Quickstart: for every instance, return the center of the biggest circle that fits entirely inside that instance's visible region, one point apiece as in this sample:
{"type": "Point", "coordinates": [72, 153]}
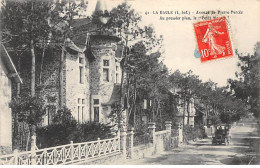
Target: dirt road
{"type": "Point", "coordinates": [244, 149]}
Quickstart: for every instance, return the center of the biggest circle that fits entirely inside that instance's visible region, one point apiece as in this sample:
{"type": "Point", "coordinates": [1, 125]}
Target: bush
{"type": "Point", "coordinates": [91, 131]}
{"type": "Point", "coordinates": [191, 133]}
{"type": "Point", "coordinates": [56, 134]}
{"type": "Point", "coordinates": [61, 134]}
{"type": "Point", "coordinates": [66, 129]}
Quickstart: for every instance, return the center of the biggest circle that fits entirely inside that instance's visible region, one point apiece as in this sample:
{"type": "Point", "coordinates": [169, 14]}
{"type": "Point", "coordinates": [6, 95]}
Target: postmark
{"type": "Point", "coordinates": [213, 39]}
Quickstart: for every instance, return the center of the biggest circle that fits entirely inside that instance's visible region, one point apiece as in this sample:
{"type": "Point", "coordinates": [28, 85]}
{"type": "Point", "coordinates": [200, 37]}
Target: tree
{"type": "Point", "coordinates": [213, 102]}
{"type": "Point", "coordinates": [148, 79]}
{"type": "Point", "coordinates": [26, 23]}
{"type": "Point", "coordinates": [124, 22]}
{"type": "Point", "coordinates": [32, 24]}
{"type": "Point", "coordinates": [29, 110]}
{"type": "Point", "coordinates": [64, 13]}
{"type": "Point", "coordinates": [246, 86]}
{"type": "Point", "coordinates": [189, 85]}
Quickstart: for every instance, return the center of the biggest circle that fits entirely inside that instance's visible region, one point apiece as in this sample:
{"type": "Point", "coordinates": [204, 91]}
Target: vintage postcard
{"type": "Point", "coordinates": [129, 82]}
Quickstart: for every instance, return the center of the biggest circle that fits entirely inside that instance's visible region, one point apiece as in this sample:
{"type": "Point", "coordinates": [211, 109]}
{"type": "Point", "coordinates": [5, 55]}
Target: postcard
{"type": "Point", "coordinates": [130, 82]}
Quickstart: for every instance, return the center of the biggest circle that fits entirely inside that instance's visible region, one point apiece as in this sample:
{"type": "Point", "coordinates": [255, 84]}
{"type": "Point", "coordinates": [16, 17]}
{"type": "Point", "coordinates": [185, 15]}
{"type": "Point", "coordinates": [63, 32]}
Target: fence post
{"type": "Point", "coordinates": [123, 141]}
{"type": "Point", "coordinates": [99, 146]}
{"type": "Point", "coordinates": [33, 152]}
{"type": "Point", "coordinates": [151, 129]}
{"type": "Point", "coordinates": [168, 125]}
{"type": "Point", "coordinates": [131, 142]}
{"type": "Point", "coordinates": [180, 134]}
{"type": "Point", "coordinates": [16, 157]}
{"type": "Point", "coordinates": [71, 150]}
{"type": "Point", "coordinates": [205, 130]}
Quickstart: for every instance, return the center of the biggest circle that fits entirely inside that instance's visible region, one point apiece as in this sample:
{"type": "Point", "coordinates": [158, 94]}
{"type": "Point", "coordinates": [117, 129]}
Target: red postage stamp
{"type": "Point", "coordinates": [213, 39]}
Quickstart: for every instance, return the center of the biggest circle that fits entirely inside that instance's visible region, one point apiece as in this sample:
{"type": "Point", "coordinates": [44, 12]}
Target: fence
{"type": "Point", "coordinates": [142, 139]}
{"type": "Point", "coordinates": [122, 144]}
{"type": "Point", "coordinates": [162, 139]}
{"type": "Point", "coordinates": [64, 154]}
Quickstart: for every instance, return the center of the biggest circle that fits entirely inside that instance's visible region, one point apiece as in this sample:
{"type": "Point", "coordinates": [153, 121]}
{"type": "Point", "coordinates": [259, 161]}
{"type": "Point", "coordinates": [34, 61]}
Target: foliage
{"type": "Point", "coordinates": [192, 133]}
{"type": "Point", "coordinates": [124, 22]}
{"type": "Point", "coordinates": [92, 130]}
{"type": "Point", "coordinates": [211, 102]}
{"type": "Point", "coordinates": [23, 21]}
{"type": "Point", "coordinates": [66, 129]}
{"type": "Point", "coordinates": [56, 134]}
{"type": "Point", "coordinates": [246, 87]}
{"type": "Point", "coordinates": [63, 116]}
{"type": "Point", "coordinates": [64, 13]}
{"type": "Point", "coordinates": [188, 85]}
{"type": "Point", "coordinates": [28, 109]}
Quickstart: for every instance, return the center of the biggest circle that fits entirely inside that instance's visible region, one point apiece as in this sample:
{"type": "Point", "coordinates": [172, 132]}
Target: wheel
{"type": "Point", "coordinates": [229, 140]}
{"type": "Point", "coordinates": [226, 141]}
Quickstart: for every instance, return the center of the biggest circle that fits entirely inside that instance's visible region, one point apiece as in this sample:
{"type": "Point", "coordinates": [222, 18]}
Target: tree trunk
{"type": "Point", "coordinates": [43, 53]}
{"type": "Point", "coordinates": [61, 75]}
{"type": "Point", "coordinates": [184, 110]}
{"type": "Point", "coordinates": [188, 111]}
{"type": "Point", "coordinates": [19, 71]}
{"type": "Point", "coordinates": [32, 69]}
{"type": "Point", "coordinates": [121, 84]}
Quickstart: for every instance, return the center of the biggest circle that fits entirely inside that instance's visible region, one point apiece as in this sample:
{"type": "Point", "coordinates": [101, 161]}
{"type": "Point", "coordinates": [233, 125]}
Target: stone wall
{"type": "Point", "coordinates": [5, 112]}
{"type": "Point", "coordinates": [106, 160]}
{"type": "Point", "coordinates": [77, 94]}
{"type": "Point", "coordinates": [103, 50]}
{"type": "Point", "coordinates": [143, 151]}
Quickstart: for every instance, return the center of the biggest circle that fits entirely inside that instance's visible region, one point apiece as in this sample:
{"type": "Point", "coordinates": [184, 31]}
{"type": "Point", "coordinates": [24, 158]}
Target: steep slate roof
{"type": "Point", "coordinates": [13, 74]}
{"type": "Point", "coordinates": [83, 27]}
{"type": "Point", "coordinates": [101, 5]}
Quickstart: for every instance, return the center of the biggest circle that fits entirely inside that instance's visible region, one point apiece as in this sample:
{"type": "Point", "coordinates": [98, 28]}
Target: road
{"type": "Point", "coordinates": [243, 150]}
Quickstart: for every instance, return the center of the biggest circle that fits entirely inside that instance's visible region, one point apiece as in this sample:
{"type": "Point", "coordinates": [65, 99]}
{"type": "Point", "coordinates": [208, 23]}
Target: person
{"type": "Point", "coordinates": [209, 37]}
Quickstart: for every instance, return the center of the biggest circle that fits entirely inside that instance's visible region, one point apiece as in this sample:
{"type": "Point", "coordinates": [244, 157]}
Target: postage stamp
{"type": "Point", "coordinates": [213, 39]}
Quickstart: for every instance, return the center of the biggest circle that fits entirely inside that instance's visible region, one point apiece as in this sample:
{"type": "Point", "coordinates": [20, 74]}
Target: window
{"type": "Point", "coordinates": [81, 70]}
{"type": "Point", "coordinates": [117, 78]}
{"type": "Point", "coordinates": [105, 62]}
{"type": "Point", "coordinates": [78, 113]}
{"type": "Point", "coordinates": [81, 61]}
{"type": "Point", "coordinates": [96, 114]}
{"type": "Point", "coordinates": [51, 109]}
{"type": "Point", "coordinates": [105, 74]}
{"type": "Point", "coordinates": [80, 74]}
{"type": "Point", "coordinates": [96, 110]}
{"type": "Point", "coordinates": [81, 110]}
{"type": "Point", "coordinates": [82, 113]}
{"type": "Point", "coordinates": [96, 101]}
{"type": "Point", "coordinates": [106, 70]}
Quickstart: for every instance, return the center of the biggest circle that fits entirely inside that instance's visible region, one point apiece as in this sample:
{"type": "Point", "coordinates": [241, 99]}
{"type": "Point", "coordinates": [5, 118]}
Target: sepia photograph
{"type": "Point", "coordinates": [129, 82]}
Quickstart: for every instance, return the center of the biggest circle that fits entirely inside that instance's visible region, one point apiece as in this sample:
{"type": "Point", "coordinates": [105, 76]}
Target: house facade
{"type": "Point", "coordinates": [91, 74]}
{"type": "Point", "coordinates": [92, 78]}
{"type": "Point", "coordinates": [186, 111]}
{"type": "Point", "coordinates": [8, 77]}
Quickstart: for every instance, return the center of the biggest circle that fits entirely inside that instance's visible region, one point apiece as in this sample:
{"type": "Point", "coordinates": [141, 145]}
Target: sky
{"type": "Point", "coordinates": [179, 36]}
